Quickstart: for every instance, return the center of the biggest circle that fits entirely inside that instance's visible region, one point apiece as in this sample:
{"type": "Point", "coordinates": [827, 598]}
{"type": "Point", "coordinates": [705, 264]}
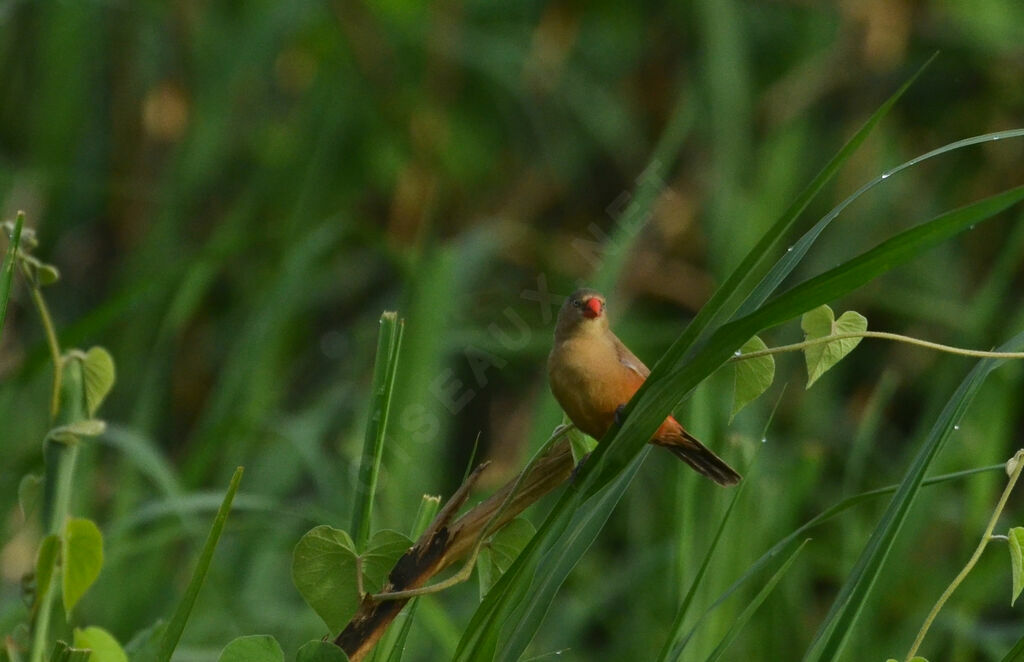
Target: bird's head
{"type": "Point", "coordinates": [582, 311]}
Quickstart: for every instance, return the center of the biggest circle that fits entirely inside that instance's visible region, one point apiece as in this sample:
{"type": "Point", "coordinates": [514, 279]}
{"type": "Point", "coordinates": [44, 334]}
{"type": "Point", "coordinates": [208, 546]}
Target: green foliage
{"type": "Point", "coordinates": [229, 227]}
{"type": "Point", "coordinates": [498, 553]}
{"type": "Point", "coordinates": [324, 570]}
{"type": "Point", "coordinates": [7, 265]}
{"type": "Point", "coordinates": [752, 376]}
{"type": "Point", "coordinates": [103, 645]}
{"type": "Point", "coordinates": [674, 643]}
{"type": "Point", "coordinates": [98, 369]}
{"type": "Point", "coordinates": [749, 610]}
{"type": "Point", "coordinates": [389, 342]}
{"type": "Point", "coordinates": [69, 434]}
{"type": "Point", "coordinates": [171, 634]}
{"type": "Point", "coordinates": [46, 565]}
{"type": "Point", "coordinates": [835, 630]}
{"type": "Point", "coordinates": [582, 444]}
{"type": "Point", "coordinates": [320, 651]}
{"type": "Point", "coordinates": [252, 648]}
{"type": "Point", "coordinates": [1016, 545]}
{"type": "Point", "coordinates": [518, 602]}
{"type": "Point", "coordinates": [81, 560]}
{"type": "Point", "coordinates": [821, 323]}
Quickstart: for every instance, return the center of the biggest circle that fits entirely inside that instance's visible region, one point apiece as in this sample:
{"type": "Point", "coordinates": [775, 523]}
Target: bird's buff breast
{"type": "Point", "coordinates": [589, 382]}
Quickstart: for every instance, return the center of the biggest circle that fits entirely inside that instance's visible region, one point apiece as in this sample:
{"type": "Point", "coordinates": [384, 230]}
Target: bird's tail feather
{"type": "Point", "coordinates": [686, 447]}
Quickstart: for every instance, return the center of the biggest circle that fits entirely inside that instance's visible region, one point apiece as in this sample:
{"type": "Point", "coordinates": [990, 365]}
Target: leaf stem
{"type": "Point", "coordinates": [60, 458]}
{"type": "Point", "coordinates": [985, 538]}
{"type": "Point", "coordinates": [51, 341]}
{"type": "Point", "coordinates": [884, 335]}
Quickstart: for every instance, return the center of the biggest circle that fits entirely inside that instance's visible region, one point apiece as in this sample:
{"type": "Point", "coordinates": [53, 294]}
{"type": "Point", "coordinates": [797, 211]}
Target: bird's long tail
{"type": "Point", "coordinates": [686, 447]}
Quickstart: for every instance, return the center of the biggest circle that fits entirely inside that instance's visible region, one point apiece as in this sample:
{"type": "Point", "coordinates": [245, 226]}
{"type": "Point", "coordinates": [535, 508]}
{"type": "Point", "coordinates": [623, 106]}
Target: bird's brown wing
{"type": "Point", "coordinates": [629, 359]}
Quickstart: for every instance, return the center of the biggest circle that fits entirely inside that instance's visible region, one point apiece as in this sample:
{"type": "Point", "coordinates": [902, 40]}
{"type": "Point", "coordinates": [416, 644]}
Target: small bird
{"type": "Point", "coordinates": [593, 375]}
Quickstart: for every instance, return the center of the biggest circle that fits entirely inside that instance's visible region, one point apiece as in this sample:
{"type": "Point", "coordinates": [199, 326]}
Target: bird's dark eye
{"type": "Point", "coordinates": [577, 303]}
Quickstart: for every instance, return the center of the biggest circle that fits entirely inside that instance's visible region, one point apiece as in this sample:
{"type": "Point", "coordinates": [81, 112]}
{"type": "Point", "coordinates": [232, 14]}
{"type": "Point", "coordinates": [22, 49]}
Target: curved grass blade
{"type": "Point", "coordinates": [514, 600]}
{"type": "Point", "coordinates": [389, 341]}
{"type": "Point", "coordinates": [684, 606]}
{"type": "Point", "coordinates": [749, 610]}
{"type": "Point", "coordinates": [171, 635]}
{"type": "Point", "coordinates": [792, 257]}
{"type": "Point", "coordinates": [729, 297]}
{"type": "Point", "coordinates": [7, 268]}
{"type": "Point", "coordinates": [835, 630]}
{"type": "Point", "coordinates": [820, 518]}
{"type": "Point", "coordinates": [1016, 653]}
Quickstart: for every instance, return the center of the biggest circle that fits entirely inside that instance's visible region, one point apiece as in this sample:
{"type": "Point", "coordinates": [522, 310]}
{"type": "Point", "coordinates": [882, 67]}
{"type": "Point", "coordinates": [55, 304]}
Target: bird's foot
{"type": "Point", "coordinates": [576, 469]}
{"type": "Point", "coordinates": [619, 416]}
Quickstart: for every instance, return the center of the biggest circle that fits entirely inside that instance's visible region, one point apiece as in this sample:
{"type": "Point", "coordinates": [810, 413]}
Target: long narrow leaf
{"type": "Point", "coordinates": [835, 630]}
{"type": "Point", "coordinates": [677, 625]}
{"type": "Point", "coordinates": [793, 255]}
{"type": "Point", "coordinates": [7, 268]}
{"type": "Point", "coordinates": [728, 298]}
{"type": "Point", "coordinates": [505, 606]}
{"type": "Point", "coordinates": [826, 515]}
{"type": "Point", "coordinates": [385, 366]}
{"type": "Point", "coordinates": [749, 610]}
{"type": "Point", "coordinates": [1016, 653]}
{"type": "Point", "coordinates": [170, 637]}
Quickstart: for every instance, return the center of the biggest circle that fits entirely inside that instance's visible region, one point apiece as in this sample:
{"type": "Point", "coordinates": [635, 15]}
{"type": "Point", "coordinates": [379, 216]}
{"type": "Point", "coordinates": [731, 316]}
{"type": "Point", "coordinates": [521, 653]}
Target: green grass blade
{"type": "Point", "coordinates": [385, 366]}
{"type": "Point", "coordinates": [1016, 653]}
{"type": "Point", "coordinates": [684, 607]}
{"type": "Point", "coordinates": [835, 630]}
{"type": "Point", "coordinates": [170, 637]}
{"type": "Point", "coordinates": [792, 257]}
{"type": "Point", "coordinates": [7, 268]}
{"type": "Point", "coordinates": [826, 515]}
{"type": "Point", "coordinates": [728, 298]}
{"type": "Point", "coordinates": [749, 610]}
{"type": "Point", "coordinates": [515, 599]}
{"type": "Point", "coordinates": [397, 647]}
{"type": "Point", "coordinates": [560, 559]}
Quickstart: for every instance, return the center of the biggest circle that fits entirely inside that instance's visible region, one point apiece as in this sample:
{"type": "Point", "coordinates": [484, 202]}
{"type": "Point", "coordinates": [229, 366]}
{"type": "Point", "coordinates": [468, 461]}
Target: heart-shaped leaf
{"type": "Point", "coordinates": [821, 323]}
{"type": "Point", "coordinates": [324, 571]}
{"type": "Point", "coordinates": [752, 376]}
{"type": "Point", "coordinates": [382, 552]}
{"type": "Point", "coordinates": [103, 645]}
{"type": "Point", "coordinates": [1016, 537]}
{"type": "Point", "coordinates": [320, 651]}
{"type": "Point", "coordinates": [82, 559]}
{"type": "Point", "coordinates": [501, 550]}
{"type": "Point", "coordinates": [100, 375]}
{"type": "Point", "coordinates": [252, 648]}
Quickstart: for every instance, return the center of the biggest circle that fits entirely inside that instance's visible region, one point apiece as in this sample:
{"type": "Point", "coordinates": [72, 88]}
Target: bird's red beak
{"type": "Point", "coordinates": [592, 308]}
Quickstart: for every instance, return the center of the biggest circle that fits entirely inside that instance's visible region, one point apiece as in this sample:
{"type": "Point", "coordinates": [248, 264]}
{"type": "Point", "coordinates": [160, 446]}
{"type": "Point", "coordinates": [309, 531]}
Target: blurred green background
{"type": "Point", "coordinates": [234, 192]}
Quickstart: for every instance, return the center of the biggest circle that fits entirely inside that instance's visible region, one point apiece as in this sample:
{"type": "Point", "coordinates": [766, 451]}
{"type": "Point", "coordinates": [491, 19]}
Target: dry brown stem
{"type": "Point", "coordinates": [445, 542]}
